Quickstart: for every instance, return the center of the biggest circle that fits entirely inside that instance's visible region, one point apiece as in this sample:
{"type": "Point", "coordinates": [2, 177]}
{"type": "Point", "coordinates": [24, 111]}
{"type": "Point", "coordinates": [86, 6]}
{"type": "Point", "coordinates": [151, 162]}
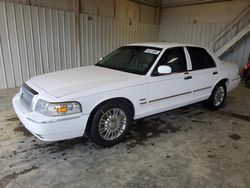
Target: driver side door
{"type": "Point", "coordinates": [172, 90]}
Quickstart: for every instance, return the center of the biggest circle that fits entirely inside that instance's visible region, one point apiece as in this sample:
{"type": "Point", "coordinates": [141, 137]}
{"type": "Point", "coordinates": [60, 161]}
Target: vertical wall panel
{"type": "Point", "coordinates": [72, 37]}
{"type": "Point", "coordinates": [3, 83]}
{"type": "Point", "coordinates": [36, 38]}
{"type": "Point", "coordinates": [55, 38]}
{"type": "Point", "coordinates": [101, 35]}
{"type": "Point", "coordinates": [22, 47]}
{"type": "Point", "coordinates": [6, 49]}
{"type": "Point", "coordinates": [34, 41]}
{"type": "Point", "coordinates": [14, 52]}
{"type": "Point", "coordinates": [203, 34]}
{"type": "Point", "coordinates": [199, 33]}
{"type": "Point", "coordinates": [61, 27]}
{"type": "Point", "coordinates": [43, 40]}
{"type": "Point", "coordinates": [50, 43]}
{"type": "Point", "coordinates": [28, 38]}
{"type": "Point", "coordinates": [240, 53]}
{"type": "Point", "coordinates": [67, 28]}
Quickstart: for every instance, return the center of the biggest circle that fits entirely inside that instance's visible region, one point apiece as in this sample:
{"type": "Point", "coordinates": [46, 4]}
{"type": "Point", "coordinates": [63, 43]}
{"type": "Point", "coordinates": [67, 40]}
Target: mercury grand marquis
{"type": "Point", "coordinates": [132, 82]}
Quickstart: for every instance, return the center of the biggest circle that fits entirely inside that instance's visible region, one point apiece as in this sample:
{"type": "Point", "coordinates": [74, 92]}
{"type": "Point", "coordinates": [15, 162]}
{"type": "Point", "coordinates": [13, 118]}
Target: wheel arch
{"type": "Point", "coordinates": [223, 81]}
{"type": "Point", "coordinates": [209, 103]}
{"type": "Point", "coordinates": [123, 100]}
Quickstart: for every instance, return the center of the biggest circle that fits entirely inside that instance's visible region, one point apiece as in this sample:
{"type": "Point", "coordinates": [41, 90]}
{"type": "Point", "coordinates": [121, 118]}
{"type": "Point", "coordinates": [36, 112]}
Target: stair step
{"type": "Point", "coordinates": [234, 40]}
{"type": "Point", "coordinates": [235, 22]}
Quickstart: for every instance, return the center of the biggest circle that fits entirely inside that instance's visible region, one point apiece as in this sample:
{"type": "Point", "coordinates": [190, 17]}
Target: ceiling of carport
{"type": "Point", "coordinates": [178, 3]}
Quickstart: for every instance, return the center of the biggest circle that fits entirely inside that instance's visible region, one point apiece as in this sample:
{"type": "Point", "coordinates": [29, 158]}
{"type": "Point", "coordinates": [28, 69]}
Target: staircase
{"type": "Point", "coordinates": [233, 33]}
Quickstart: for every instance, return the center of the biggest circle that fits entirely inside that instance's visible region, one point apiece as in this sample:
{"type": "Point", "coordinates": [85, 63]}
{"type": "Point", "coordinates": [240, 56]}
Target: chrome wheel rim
{"type": "Point", "coordinates": [219, 96]}
{"type": "Point", "coordinates": [112, 124]}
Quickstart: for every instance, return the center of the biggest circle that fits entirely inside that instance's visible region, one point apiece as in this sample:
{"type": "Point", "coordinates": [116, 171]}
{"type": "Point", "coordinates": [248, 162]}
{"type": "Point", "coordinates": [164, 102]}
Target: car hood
{"type": "Point", "coordinates": [87, 79]}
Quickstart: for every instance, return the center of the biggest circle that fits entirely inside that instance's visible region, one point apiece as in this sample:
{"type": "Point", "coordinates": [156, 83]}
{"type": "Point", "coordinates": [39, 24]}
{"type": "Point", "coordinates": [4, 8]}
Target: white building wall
{"type": "Point", "coordinates": [240, 54]}
{"type": "Point", "coordinates": [200, 24]}
{"type": "Point", "coordinates": [36, 40]}
{"type": "Point", "coordinates": [101, 35]}
{"type": "Point", "coordinates": [203, 13]}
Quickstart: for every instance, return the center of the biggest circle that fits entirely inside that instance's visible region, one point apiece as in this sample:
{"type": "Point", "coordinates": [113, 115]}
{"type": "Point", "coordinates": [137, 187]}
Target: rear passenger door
{"type": "Point", "coordinates": [203, 72]}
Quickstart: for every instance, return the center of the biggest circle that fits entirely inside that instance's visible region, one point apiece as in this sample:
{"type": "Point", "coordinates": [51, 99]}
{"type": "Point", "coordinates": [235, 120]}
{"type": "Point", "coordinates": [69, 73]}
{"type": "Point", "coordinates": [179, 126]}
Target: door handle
{"type": "Point", "coordinates": [214, 73]}
{"type": "Point", "coordinates": [188, 77]}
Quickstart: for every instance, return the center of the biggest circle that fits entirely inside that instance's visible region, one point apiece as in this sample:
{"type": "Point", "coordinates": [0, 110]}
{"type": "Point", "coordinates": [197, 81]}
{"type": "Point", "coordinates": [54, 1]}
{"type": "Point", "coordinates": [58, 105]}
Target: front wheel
{"type": "Point", "coordinates": [110, 124]}
{"type": "Point", "coordinates": [217, 97]}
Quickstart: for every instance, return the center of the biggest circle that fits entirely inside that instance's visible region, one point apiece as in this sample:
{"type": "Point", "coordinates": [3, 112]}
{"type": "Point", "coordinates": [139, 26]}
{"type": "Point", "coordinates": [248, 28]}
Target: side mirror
{"type": "Point", "coordinates": [164, 69]}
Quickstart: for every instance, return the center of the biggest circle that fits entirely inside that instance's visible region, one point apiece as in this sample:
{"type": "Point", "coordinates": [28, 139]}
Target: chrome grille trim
{"type": "Point", "coordinates": [26, 95]}
{"type": "Point", "coordinates": [29, 89]}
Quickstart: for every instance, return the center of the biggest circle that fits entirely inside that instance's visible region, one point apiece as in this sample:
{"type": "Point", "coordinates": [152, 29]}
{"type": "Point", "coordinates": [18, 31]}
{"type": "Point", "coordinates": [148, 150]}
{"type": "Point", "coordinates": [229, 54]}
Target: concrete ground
{"type": "Point", "coordinates": [187, 147]}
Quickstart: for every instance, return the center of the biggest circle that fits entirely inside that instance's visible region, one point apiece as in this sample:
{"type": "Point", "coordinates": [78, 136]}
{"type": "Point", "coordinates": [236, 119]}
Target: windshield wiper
{"type": "Point", "coordinates": [120, 69]}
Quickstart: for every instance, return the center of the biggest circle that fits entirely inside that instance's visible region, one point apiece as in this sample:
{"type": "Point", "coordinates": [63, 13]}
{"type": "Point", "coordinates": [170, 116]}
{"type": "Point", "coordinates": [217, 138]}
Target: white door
{"type": "Point", "coordinates": [172, 90]}
{"type": "Point", "coordinates": [204, 72]}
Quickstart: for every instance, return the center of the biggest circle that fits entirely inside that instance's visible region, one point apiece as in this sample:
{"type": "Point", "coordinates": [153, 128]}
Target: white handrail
{"type": "Point", "coordinates": [232, 41]}
{"type": "Point", "coordinates": [228, 28]}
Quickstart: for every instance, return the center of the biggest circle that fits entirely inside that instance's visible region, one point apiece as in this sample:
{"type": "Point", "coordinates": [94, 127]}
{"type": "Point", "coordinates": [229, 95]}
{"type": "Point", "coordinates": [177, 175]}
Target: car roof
{"type": "Point", "coordinates": [163, 44]}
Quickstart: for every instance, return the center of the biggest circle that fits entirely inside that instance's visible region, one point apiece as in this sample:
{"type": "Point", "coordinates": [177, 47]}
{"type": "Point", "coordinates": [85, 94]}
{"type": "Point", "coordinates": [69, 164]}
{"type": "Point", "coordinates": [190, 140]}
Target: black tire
{"type": "Point", "coordinates": [248, 83]}
{"type": "Point", "coordinates": [212, 103]}
{"type": "Point", "coordinates": [101, 114]}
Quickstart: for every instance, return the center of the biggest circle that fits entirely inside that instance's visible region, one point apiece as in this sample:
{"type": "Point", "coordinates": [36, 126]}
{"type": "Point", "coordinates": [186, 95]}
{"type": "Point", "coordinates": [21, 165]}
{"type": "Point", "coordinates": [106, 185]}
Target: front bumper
{"type": "Point", "coordinates": [50, 128]}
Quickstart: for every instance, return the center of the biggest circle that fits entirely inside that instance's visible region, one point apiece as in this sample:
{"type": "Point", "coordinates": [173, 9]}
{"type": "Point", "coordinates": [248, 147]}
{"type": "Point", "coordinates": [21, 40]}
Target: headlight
{"type": "Point", "coordinates": [57, 109]}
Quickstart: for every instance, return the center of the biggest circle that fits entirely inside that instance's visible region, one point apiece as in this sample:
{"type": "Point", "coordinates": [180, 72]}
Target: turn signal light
{"type": "Point", "coordinates": [62, 109]}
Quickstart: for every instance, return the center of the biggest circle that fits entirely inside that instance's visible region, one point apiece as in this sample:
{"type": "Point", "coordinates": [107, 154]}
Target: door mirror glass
{"type": "Point", "coordinates": [164, 69]}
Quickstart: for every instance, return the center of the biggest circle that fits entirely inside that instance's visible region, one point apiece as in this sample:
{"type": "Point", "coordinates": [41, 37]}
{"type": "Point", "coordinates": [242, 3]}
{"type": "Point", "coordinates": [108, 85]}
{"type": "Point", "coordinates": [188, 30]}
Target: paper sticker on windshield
{"type": "Point", "coordinates": [152, 51]}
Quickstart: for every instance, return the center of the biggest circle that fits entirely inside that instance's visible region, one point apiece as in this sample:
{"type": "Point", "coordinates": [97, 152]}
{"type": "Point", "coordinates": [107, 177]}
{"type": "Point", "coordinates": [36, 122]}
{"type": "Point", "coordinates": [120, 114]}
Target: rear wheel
{"type": "Point", "coordinates": [217, 98]}
{"type": "Point", "coordinates": [110, 124]}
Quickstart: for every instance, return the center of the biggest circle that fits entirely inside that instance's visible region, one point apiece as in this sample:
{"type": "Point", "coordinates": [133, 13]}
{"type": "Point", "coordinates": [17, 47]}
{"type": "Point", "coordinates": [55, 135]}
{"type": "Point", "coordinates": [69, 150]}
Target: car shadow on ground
{"type": "Point", "coordinates": [23, 149]}
{"type": "Point", "coordinates": [140, 132]}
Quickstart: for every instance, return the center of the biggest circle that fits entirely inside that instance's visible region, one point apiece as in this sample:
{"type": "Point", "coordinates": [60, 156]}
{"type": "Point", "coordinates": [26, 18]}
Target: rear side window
{"type": "Point", "coordinates": [175, 58]}
{"type": "Point", "coordinates": [200, 58]}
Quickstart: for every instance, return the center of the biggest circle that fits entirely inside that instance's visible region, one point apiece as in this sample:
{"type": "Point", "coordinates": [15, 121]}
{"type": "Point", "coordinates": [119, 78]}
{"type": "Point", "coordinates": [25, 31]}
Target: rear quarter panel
{"type": "Point", "coordinates": [230, 71]}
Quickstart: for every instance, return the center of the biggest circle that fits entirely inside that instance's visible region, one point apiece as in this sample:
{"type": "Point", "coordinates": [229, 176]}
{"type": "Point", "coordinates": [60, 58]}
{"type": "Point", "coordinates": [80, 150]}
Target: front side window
{"type": "Point", "coordinates": [132, 59]}
{"type": "Point", "coordinates": [200, 58]}
{"type": "Point", "coordinates": [175, 58]}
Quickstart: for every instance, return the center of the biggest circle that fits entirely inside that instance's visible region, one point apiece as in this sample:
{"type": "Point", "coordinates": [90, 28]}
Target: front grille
{"type": "Point", "coordinates": [26, 95]}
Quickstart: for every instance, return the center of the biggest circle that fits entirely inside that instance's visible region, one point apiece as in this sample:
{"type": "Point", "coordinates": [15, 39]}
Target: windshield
{"type": "Point", "coordinates": [132, 59]}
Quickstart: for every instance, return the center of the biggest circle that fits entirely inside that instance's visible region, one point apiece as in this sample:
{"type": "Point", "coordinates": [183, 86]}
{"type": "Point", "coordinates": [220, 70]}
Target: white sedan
{"type": "Point", "coordinates": [130, 83]}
